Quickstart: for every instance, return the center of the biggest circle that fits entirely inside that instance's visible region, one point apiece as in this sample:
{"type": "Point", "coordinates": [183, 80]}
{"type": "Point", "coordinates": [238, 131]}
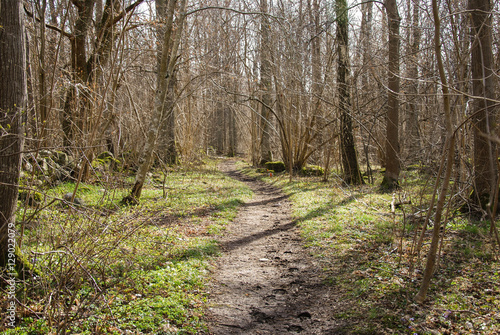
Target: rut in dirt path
{"type": "Point", "coordinates": [265, 283]}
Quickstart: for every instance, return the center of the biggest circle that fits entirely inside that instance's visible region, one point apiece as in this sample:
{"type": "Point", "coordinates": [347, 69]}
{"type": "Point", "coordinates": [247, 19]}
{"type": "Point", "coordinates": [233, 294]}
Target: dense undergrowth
{"type": "Point", "coordinates": [366, 253]}
{"type": "Point", "coordinates": [106, 268]}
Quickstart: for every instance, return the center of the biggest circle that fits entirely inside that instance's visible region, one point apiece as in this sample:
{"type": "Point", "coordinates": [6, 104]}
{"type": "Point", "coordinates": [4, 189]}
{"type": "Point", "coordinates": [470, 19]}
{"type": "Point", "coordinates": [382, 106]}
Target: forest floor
{"type": "Point", "coordinates": [311, 257]}
{"type": "Point", "coordinates": [265, 282]}
{"type": "Point", "coordinates": [220, 247]}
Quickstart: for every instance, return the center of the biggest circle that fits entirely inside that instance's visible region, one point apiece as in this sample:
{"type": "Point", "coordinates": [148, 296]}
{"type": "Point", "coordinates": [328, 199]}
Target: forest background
{"type": "Point", "coordinates": [96, 95]}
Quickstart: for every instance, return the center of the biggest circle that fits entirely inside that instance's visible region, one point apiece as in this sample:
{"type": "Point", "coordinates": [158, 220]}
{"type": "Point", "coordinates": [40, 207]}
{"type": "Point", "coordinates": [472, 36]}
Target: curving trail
{"type": "Point", "coordinates": [265, 282]}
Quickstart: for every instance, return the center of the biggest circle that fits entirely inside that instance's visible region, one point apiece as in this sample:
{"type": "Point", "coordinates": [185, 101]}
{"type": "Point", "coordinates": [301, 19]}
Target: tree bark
{"type": "Point", "coordinates": [392, 164]}
{"type": "Point", "coordinates": [42, 100]}
{"type": "Point", "coordinates": [167, 145]}
{"type": "Point", "coordinates": [220, 127]}
{"type": "Point", "coordinates": [232, 132]}
{"type": "Point", "coordinates": [12, 103]}
{"type": "Point", "coordinates": [413, 134]}
{"type": "Point", "coordinates": [352, 174]}
{"type": "Point", "coordinates": [483, 89]}
{"type": "Point", "coordinates": [265, 81]}
{"type": "Point", "coordinates": [366, 35]}
{"type": "Point", "coordinates": [73, 113]}
{"type": "Point", "coordinates": [163, 106]}
{"type": "Point", "coordinates": [447, 161]}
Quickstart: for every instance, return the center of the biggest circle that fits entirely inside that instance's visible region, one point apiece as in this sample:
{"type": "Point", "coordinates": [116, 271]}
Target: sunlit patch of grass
{"type": "Point", "coordinates": [148, 298]}
{"type": "Point", "coordinates": [111, 268]}
{"type": "Point", "coordinates": [365, 255]}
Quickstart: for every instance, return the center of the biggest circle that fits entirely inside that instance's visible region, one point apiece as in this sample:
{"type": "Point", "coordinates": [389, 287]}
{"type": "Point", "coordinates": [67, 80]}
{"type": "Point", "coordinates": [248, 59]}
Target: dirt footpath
{"type": "Point", "coordinates": [265, 282]}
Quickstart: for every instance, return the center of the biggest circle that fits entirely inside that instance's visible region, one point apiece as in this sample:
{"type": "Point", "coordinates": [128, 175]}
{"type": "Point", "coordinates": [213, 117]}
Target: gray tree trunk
{"type": "Point", "coordinates": [352, 174]}
{"type": "Point", "coordinates": [366, 35]}
{"type": "Point", "coordinates": [447, 163]}
{"type": "Point", "coordinates": [265, 81]}
{"type": "Point", "coordinates": [232, 132]}
{"type": "Point", "coordinates": [167, 145]}
{"type": "Point", "coordinates": [484, 106]}
{"type": "Point", "coordinates": [220, 127]}
{"type": "Point", "coordinates": [163, 106]}
{"type": "Point", "coordinates": [73, 114]}
{"type": "Point", "coordinates": [12, 103]}
{"type": "Point", "coordinates": [413, 133]}
{"type": "Point", "coordinates": [42, 100]}
{"type": "Point", "coordinates": [392, 163]}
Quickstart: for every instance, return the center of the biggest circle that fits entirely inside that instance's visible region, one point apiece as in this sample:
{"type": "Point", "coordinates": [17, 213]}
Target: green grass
{"type": "Point", "coordinates": [357, 241]}
{"type": "Point", "coordinates": [110, 268]}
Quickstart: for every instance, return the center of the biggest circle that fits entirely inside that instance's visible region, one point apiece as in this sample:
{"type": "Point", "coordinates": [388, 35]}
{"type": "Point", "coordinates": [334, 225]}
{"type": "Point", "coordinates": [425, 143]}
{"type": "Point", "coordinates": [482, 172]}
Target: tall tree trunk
{"type": "Point", "coordinates": [232, 132]}
{"type": "Point", "coordinates": [447, 161]}
{"type": "Point", "coordinates": [219, 127]}
{"type": "Point", "coordinates": [167, 145]}
{"type": "Point", "coordinates": [166, 73]}
{"type": "Point", "coordinates": [265, 80]}
{"type": "Point", "coordinates": [42, 100]}
{"type": "Point", "coordinates": [105, 36]}
{"type": "Point", "coordinates": [413, 134]}
{"type": "Point", "coordinates": [317, 88]}
{"type": "Point", "coordinates": [73, 115]}
{"type": "Point", "coordinates": [366, 35]}
{"type": "Point", "coordinates": [483, 89]}
{"type": "Point", "coordinates": [392, 164]}
{"type": "Point", "coordinates": [232, 129]}
{"type": "Point", "coordinates": [352, 174]}
{"type": "Point", "coordinates": [254, 136]}
{"type": "Point", "coordinates": [12, 103]}
{"type": "Point", "coordinates": [76, 116]}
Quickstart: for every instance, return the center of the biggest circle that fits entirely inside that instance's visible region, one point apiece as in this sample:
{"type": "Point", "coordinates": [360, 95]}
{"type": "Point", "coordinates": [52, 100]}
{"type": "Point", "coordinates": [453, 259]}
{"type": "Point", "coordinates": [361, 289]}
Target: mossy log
{"type": "Point", "coordinates": [24, 267]}
{"type": "Point", "coordinates": [277, 166]}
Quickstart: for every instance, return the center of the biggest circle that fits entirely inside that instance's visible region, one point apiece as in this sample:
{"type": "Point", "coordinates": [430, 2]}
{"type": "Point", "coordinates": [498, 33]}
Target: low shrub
{"type": "Point", "coordinates": [277, 166]}
{"type": "Point", "coordinates": [312, 170]}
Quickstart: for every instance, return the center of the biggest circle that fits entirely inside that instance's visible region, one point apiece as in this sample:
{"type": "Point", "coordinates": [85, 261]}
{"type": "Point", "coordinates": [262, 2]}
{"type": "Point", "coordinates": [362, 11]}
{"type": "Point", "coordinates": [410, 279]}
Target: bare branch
{"type": "Point", "coordinates": [52, 27]}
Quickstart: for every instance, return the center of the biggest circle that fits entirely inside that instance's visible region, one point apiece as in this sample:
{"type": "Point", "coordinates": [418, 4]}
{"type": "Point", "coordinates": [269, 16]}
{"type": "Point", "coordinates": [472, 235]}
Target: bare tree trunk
{"type": "Point", "coordinates": [12, 103]}
{"type": "Point", "coordinates": [254, 137]}
{"type": "Point", "coordinates": [483, 89]}
{"type": "Point", "coordinates": [42, 81]}
{"type": "Point", "coordinates": [163, 106]}
{"type": "Point", "coordinates": [366, 35]}
{"type": "Point", "coordinates": [167, 143]}
{"type": "Point", "coordinates": [392, 164]}
{"type": "Point", "coordinates": [265, 80]}
{"type": "Point", "coordinates": [219, 126]}
{"type": "Point", "coordinates": [76, 116]}
{"type": "Point", "coordinates": [232, 132]}
{"type": "Point", "coordinates": [74, 112]}
{"type": "Point", "coordinates": [448, 156]}
{"type": "Point", "coordinates": [413, 133]}
{"type": "Point", "coordinates": [352, 174]}
{"type": "Point", "coordinates": [168, 147]}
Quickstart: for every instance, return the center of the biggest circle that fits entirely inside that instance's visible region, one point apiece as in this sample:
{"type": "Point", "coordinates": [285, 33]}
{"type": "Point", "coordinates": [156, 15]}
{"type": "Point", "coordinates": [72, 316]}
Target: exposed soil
{"type": "Point", "coordinates": [265, 282]}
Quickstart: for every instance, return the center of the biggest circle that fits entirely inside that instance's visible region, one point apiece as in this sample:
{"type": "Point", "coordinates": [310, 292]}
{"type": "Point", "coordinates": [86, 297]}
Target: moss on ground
{"type": "Point", "coordinates": [365, 253]}
{"type": "Point", "coordinates": [118, 269]}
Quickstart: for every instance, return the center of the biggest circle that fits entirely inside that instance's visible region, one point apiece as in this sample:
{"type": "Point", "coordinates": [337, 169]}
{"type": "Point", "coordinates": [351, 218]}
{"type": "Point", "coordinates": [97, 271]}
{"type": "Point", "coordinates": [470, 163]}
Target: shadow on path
{"type": "Point", "coordinates": [265, 282]}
